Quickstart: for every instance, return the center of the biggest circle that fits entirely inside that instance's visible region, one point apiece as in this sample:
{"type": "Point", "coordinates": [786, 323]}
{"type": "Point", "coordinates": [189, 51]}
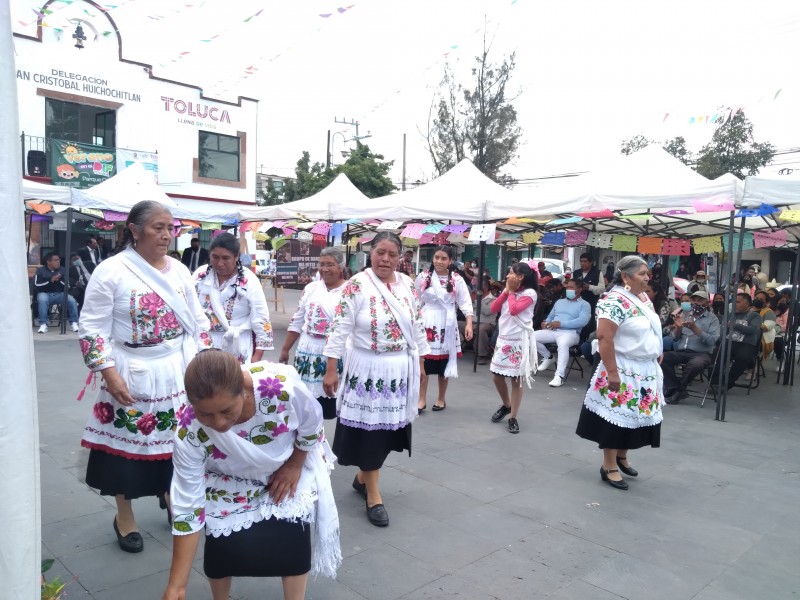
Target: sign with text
{"type": "Point", "coordinates": [74, 164]}
{"type": "Point", "coordinates": [297, 263]}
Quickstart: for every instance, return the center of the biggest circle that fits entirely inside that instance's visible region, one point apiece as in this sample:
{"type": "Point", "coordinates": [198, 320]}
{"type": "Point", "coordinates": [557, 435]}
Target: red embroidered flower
{"type": "Point", "coordinates": [103, 412]}
{"type": "Point", "coordinates": [168, 321]}
{"type": "Point", "coordinates": [150, 303]}
{"type": "Point", "coordinates": [86, 346]}
{"type": "Point", "coordinates": [147, 423]}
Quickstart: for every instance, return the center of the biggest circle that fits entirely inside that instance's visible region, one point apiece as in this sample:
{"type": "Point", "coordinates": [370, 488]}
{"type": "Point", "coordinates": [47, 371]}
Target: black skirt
{"type": "Point", "coordinates": [112, 475]}
{"type": "Point", "coordinates": [328, 407]}
{"type": "Point", "coordinates": [607, 435]}
{"type": "Point", "coordinates": [271, 548]}
{"type": "Point", "coordinates": [368, 450]}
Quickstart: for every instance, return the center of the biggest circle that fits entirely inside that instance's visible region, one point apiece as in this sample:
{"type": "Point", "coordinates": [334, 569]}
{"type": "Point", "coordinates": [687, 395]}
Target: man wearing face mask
{"type": "Point", "coordinates": [698, 283]}
{"type": "Point", "coordinates": [562, 327]}
{"type": "Point", "coordinates": [695, 331]}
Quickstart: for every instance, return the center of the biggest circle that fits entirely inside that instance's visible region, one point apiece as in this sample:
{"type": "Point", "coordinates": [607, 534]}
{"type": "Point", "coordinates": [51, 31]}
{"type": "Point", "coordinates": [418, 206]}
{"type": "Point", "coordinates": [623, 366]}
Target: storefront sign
{"type": "Point", "coordinates": [78, 82]}
{"type": "Point", "coordinates": [297, 263]}
{"type": "Point", "coordinates": [79, 165]}
{"type": "Point", "coordinates": [195, 113]}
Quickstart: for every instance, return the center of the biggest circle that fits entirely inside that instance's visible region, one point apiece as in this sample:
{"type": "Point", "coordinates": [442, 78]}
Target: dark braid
{"type": "Point", "coordinates": [450, 270]}
{"type": "Point", "coordinates": [239, 277]}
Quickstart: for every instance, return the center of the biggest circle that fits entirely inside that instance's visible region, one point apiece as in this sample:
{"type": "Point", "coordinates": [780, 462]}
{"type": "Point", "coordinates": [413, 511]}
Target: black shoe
{"type": "Point", "coordinates": [629, 470]}
{"type": "Point", "coordinates": [361, 488]}
{"type": "Point", "coordinates": [437, 408]}
{"type": "Point", "coordinates": [377, 515]}
{"type": "Point", "coordinates": [677, 397]}
{"type": "Point", "coordinates": [513, 425]}
{"type": "Point", "coordinates": [421, 410]}
{"type": "Point", "coordinates": [620, 485]}
{"type": "Point", "coordinates": [501, 413]}
{"type": "Point", "coordinates": [132, 542]}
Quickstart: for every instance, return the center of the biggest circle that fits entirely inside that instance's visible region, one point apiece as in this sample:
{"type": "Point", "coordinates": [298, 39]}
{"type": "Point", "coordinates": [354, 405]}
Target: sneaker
{"type": "Point", "coordinates": [513, 425]}
{"type": "Point", "coordinates": [42, 328]}
{"type": "Point", "coordinates": [500, 413]}
{"type": "Point", "coordinates": [557, 381]}
{"type": "Point", "coordinates": [74, 327]}
{"type": "Point", "coordinates": [546, 364]}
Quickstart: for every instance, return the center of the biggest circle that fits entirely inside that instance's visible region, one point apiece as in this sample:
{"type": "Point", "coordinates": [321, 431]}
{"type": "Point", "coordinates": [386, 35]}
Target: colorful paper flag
{"type": "Point", "coordinates": [565, 221]}
{"type": "Point", "coordinates": [650, 245]}
{"type": "Point", "coordinates": [305, 236]}
{"type": "Point", "coordinates": [553, 238]}
{"type": "Point", "coordinates": [389, 225]}
{"type": "Point", "coordinates": [790, 215]}
{"type": "Point", "coordinates": [767, 239]}
{"type": "Point", "coordinates": [676, 247]}
{"type": "Point", "coordinates": [599, 240]}
{"type": "Point", "coordinates": [747, 243]}
{"type": "Point", "coordinates": [706, 245]}
{"type": "Point", "coordinates": [624, 243]}
{"type": "Point", "coordinates": [320, 240]}
{"type": "Point", "coordinates": [321, 228]}
{"type": "Point", "coordinates": [703, 206]}
{"type": "Point", "coordinates": [600, 214]}
{"type": "Point", "coordinates": [532, 237]}
{"type": "Point", "coordinates": [761, 211]}
{"type": "Point", "coordinates": [413, 230]}
{"type": "Point", "coordinates": [482, 232]}
{"type": "Point", "coordinates": [433, 228]}
{"type": "Point", "coordinates": [576, 238]}
{"type": "Point", "coordinates": [455, 228]}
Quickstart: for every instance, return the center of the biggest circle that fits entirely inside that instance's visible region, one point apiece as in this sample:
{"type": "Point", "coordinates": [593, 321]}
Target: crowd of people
{"type": "Point", "coordinates": [189, 409]}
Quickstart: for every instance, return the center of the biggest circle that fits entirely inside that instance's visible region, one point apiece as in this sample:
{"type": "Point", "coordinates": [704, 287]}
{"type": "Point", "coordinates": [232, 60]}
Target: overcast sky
{"type": "Point", "coordinates": [589, 72]}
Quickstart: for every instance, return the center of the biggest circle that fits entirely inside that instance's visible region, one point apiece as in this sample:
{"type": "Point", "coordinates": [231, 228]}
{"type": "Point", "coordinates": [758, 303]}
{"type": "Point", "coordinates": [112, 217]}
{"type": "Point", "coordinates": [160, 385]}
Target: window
{"type": "Point", "coordinates": [219, 156]}
{"type": "Point", "coordinates": [80, 123]}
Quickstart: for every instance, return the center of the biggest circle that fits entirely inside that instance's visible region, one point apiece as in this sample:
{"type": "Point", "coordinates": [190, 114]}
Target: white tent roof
{"type": "Point", "coordinates": [33, 190]}
{"type": "Point", "coordinates": [648, 179]}
{"type": "Point", "coordinates": [777, 190]}
{"type": "Point", "coordinates": [340, 191]}
{"type": "Point", "coordinates": [462, 193]}
{"type": "Point", "coordinates": [122, 191]}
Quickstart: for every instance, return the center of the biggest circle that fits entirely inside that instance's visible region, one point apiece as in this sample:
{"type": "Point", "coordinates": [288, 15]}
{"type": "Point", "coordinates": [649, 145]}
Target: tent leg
{"type": "Point", "coordinates": [67, 252]}
{"type": "Point", "coordinates": [476, 330]}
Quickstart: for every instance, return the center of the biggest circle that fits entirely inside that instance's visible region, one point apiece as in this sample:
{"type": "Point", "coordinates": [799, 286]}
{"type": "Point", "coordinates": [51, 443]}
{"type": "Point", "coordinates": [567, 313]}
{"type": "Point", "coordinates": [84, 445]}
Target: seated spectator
{"type": "Point", "coordinates": [718, 306]}
{"type": "Point", "coordinates": [745, 336]}
{"type": "Point", "coordinates": [549, 294]}
{"type": "Point", "coordinates": [698, 283]}
{"type": "Point", "coordinates": [768, 323]}
{"type": "Point", "coordinates": [695, 334]}
{"type": "Point", "coordinates": [544, 274]}
{"type": "Point", "coordinates": [562, 327]}
{"type": "Point", "coordinates": [49, 285]}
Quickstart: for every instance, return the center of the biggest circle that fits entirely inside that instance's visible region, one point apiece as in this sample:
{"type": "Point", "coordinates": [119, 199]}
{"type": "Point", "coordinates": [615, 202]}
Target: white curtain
{"type": "Point", "coordinates": [20, 543]}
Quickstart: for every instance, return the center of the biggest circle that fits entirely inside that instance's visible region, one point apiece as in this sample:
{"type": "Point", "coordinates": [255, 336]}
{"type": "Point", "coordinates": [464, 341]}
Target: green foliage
{"type": "Point", "coordinates": [477, 122]}
{"type": "Point", "coordinates": [270, 195]}
{"type": "Point", "coordinates": [54, 589]}
{"type": "Point", "coordinates": [368, 171]}
{"type": "Point", "coordinates": [733, 149]}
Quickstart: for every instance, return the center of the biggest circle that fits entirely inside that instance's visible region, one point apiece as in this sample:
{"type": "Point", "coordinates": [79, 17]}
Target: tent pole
{"type": "Point", "coordinates": [347, 246]}
{"type": "Point", "coordinates": [732, 316]}
{"type": "Point", "coordinates": [67, 252]}
{"type": "Point", "coordinates": [476, 330]}
{"type": "Point", "coordinates": [727, 317]}
{"type": "Point", "coordinates": [791, 331]}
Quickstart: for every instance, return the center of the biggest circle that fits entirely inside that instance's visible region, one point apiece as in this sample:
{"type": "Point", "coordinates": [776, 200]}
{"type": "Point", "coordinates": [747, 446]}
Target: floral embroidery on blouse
{"type": "Point", "coordinates": [316, 319]}
{"type": "Point", "coordinates": [152, 321]}
{"type": "Point", "coordinates": [92, 349]}
{"type": "Point", "coordinates": [615, 307]}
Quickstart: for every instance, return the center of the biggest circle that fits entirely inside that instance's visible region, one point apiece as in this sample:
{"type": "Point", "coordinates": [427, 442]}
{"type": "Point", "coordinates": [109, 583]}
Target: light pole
{"type": "Point", "coordinates": [330, 150]}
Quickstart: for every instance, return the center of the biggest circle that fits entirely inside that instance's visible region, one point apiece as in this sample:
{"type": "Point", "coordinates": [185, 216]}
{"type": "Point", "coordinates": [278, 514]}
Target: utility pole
{"type": "Point", "coordinates": [355, 124]}
{"type": "Point", "coordinates": [328, 151]}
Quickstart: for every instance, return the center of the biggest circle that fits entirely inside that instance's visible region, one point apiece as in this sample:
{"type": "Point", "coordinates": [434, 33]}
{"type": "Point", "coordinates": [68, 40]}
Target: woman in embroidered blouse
{"type": "Point", "coordinates": [252, 468]}
{"type": "Point", "coordinates": [440, 290]}
{"type": "Point", "coordinates": [515, 351]}
{"type": "Point", "coordinates": [140, 326]}
{"type": "Point", "coordinates": [378, 332]}
{"type": "Point", "coordinates": [311, 323]}
{"type": "Point", "coordinates": [622, 408]}
{"type": "Point", "coordinates": [235, 304]}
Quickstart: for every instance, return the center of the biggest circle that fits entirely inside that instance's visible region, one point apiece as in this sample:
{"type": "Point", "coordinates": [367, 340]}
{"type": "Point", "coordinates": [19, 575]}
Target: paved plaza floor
{"type": "Point", "coordinates": [479, 514]}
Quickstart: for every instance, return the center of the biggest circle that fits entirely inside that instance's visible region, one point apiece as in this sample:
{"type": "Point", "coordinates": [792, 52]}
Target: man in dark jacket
{"type": "Point", "coordinates": [194, 256]}
{"type": "Point", "coordinates": [48, 282]}
{"type": "Point", "coordinates": [746, 336]}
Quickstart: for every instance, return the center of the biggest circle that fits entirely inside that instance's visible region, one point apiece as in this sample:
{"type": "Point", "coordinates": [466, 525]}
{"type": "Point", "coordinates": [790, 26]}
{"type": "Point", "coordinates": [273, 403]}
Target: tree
{"type": "Point", "coordinates": [733, 150]}
{"type": "Point", "coordinates": [270, 194]}
{"type": "Point", "coordinates": [478, 123]}
{"type": "Point", "coordinates": [368, 171]}
{"type": "Point", "coordinates": [677, 147]}
{"type": "Point", "coordinates": [635, 144]}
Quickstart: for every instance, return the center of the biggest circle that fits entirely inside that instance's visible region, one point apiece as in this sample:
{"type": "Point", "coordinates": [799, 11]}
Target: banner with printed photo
{"type": "Point", "coordinates": [73, 164]}
{"type": "Point", "coordinates": [149, 160]}
{"type": "Point", "coordinates": [296, 263]}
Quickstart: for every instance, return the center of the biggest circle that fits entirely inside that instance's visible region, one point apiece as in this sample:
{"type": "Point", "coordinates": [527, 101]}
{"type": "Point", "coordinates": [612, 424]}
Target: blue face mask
{"type": "Point", "coordinates": [686, 306]}
{"type": "Point", "coordinates": [570, 294]}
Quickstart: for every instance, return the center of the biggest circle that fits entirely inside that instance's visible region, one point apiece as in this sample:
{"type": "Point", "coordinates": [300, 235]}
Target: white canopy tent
{"type": "Point", "coordinates": [777, 190]}
{"type": "Point", "coordinates": [41, 192]}
{"type": "Point", "coordinates": [339, 192]}
{"type": "Point", "coordinates": [650, 179]}
{"type": "Point", "coordinates": [463, 194]}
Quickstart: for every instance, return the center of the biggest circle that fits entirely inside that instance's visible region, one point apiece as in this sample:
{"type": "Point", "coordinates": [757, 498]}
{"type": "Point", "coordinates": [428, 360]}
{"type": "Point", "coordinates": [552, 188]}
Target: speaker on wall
{"type": "Point", "coordinates": [37, 163]}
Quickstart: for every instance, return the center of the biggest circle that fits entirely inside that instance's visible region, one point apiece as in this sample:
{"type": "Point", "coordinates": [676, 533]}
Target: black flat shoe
{"type": "Point", "coordinates": [361, 488]}
{"type": "Point", "coordinates": [132, 542]}
{"type": "Point", "coordinates": [422, 410]}
{"type": "Point", "coordinates": [437, 408]}
{"type": "Point", "coordinates": [620, 485]}
{"type": "Point", "coordinates": [501, 413]}
{"type": "Point", "coordinates": [676, 397]}
{"type": "Point", "coordinates": [629, 470]}
{"type": "Point", "coordinates": [377, 515]}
